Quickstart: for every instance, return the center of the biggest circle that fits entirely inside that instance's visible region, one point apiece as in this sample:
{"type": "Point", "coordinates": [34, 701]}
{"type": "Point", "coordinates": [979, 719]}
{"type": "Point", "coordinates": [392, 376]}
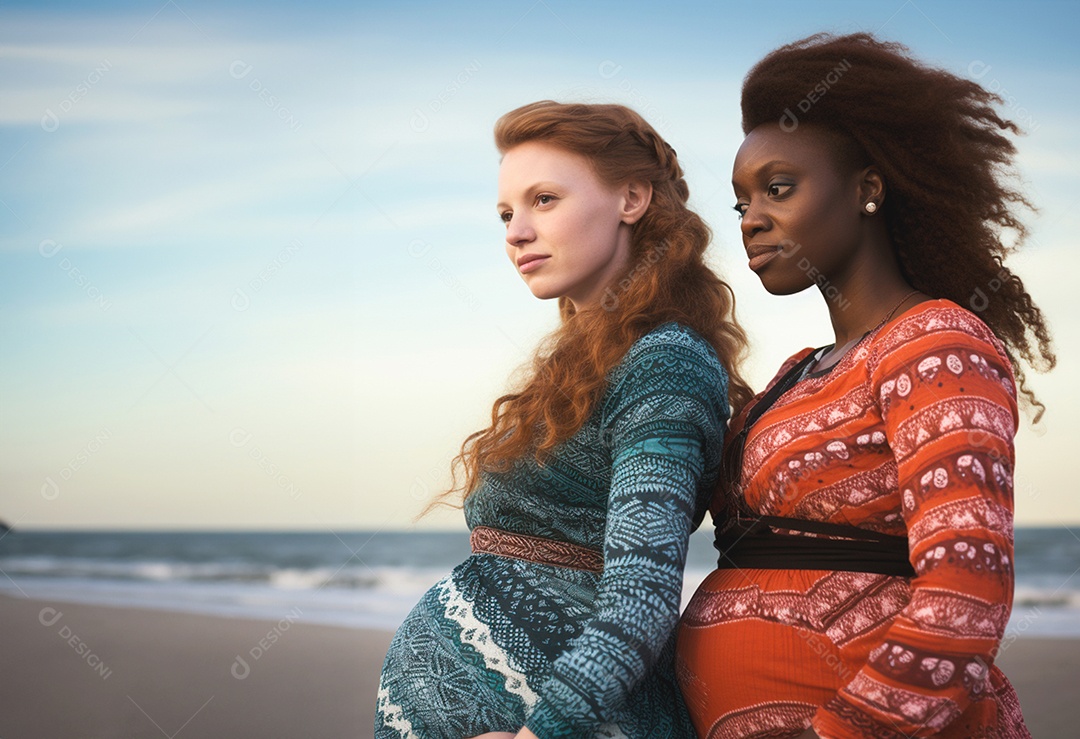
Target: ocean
{"type": "Point", "coordinates": [370, 579]}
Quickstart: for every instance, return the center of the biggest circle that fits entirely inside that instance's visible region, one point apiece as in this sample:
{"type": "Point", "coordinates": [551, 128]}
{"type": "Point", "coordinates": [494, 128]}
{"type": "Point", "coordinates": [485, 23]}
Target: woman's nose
{"type": "Point", "coordinates": [754, 220]}
{"type": "Point", "coordinates": [519, 231]}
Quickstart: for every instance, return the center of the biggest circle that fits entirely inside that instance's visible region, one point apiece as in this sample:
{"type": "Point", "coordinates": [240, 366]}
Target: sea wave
{"type": "Point", "coordinates": [352, 608]}
{"type": "Point", "coordinates": [1035, 597]}
{"type": "Point", "coordinates": [353, 577]}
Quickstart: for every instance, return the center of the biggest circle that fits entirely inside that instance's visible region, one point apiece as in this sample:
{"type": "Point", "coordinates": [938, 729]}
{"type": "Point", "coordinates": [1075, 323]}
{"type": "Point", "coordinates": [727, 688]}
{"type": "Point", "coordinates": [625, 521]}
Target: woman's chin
{"type": "Point", "coordinates": [778, 287]}
{"type": "Point", "coordinates": [543, 292]}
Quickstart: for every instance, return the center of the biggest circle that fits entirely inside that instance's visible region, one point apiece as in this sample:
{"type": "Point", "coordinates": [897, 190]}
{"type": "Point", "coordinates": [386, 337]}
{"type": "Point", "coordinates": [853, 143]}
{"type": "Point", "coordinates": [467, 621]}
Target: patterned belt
{"type": "Point", "coordinates": [486, 540]}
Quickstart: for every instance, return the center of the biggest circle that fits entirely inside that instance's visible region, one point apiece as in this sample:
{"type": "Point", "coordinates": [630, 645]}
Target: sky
{"type": "Point", "coordinates": [251, 272]}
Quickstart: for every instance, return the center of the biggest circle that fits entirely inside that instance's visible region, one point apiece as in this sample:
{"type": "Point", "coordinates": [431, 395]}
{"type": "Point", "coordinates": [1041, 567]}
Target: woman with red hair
{"type": "Point", "coordinates": [582, 493]}
{"type": "Point", "coordinates": [865, 524]}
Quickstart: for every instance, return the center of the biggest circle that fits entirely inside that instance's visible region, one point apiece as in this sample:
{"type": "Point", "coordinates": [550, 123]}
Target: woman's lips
{"type": "Point", "coordinates": [760, 255]}
{"type": "Point", "coordinates": [528, 264]}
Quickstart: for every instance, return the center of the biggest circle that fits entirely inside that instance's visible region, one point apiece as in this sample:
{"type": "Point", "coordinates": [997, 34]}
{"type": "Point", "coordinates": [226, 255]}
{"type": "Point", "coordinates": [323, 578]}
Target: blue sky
{"type": "Point", "coordinates": [250, 270]}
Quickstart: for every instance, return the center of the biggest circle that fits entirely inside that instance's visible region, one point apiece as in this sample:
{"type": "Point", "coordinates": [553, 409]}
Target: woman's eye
{"type": "Point", "coordinates": [740, 208]}
{"type": "Point", "coordinates": [779, 188]}
{"type": "Point", "coordinates": [505, 217]}
{"type": "Point", "coordinates": [544, 199]}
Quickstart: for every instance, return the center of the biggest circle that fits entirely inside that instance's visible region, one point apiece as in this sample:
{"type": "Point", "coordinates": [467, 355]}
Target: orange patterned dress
{"type": "Point", "coordinates": [911, 433]}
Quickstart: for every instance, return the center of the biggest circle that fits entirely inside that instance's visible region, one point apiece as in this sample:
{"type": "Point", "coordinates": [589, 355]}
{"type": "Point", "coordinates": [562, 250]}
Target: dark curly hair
{"type": "Point", "coordinates": [947, 163]}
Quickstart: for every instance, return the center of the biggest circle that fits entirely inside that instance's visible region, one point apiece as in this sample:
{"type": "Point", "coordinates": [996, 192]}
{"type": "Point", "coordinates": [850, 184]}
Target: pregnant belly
{"type": "Point", "coordinates": [764, 648]}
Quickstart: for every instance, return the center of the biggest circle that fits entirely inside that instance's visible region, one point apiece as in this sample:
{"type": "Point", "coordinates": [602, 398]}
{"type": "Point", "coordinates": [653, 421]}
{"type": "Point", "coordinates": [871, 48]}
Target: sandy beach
{"type": "Point", "coordinates": [91, 672]}
{"type": "Point", "coordinates": [95, 672]}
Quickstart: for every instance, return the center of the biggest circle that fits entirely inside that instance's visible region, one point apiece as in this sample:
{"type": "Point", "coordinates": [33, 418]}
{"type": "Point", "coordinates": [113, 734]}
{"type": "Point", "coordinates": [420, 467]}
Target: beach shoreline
{"type": "Point", "coordinates": [101, 671]}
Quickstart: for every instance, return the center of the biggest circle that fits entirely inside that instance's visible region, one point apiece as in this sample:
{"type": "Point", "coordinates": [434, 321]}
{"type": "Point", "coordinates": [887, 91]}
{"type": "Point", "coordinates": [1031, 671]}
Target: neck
{"type": "Point", "coordinates": [865, 311]}
{"type": "Point", "coordinates": [865, 293]}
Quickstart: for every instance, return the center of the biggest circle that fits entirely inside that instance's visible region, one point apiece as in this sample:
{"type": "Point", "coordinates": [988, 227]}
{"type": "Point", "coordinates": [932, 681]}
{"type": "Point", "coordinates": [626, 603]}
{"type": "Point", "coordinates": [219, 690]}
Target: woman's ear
{"type": "Point", "coordinates": [636, 198]}
{"type": "Point", "coordinates": [871, 188]}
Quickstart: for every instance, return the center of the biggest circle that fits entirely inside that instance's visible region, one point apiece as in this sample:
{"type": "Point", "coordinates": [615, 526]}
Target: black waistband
{"type": "Point", "coordinates": [752, 544]}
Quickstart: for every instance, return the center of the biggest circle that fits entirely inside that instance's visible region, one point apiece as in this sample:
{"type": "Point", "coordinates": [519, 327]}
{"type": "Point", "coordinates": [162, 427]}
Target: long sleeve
{"type": "Point", "coordinates": [664, 419]}
{"type": "Point", "coordinates": [948, 402]}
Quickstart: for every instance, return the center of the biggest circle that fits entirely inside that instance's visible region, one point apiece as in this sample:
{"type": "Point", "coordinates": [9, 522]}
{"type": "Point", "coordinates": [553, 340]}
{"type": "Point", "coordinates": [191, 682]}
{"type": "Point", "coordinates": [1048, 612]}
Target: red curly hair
{"type": "Point", "coordinates": [665, 280]}
{"type": "Point", "coordinates": [946, 160]}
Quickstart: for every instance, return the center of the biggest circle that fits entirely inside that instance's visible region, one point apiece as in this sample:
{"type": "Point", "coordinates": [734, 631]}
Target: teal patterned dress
{"type": "Point", "coordinates": [502, 643]}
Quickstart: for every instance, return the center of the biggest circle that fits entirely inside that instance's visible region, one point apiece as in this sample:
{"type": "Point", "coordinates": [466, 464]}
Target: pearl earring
{"type": "Point", "coordinates": [871, 207]}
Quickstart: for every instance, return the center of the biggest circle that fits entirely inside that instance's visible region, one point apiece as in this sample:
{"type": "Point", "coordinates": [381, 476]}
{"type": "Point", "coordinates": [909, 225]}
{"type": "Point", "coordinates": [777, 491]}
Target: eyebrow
{"type": "Point", "coordinates": [769, 165]}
